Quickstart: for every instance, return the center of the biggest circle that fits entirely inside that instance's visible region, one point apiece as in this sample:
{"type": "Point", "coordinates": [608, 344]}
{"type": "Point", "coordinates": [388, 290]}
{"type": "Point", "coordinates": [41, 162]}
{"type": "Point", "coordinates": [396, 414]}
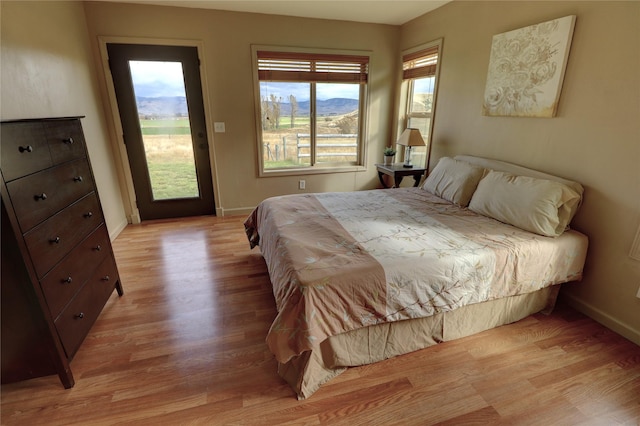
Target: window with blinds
{"type": "Point", "coordinates": [420, 64]}
{"type": "Point", "coordinates": [419, 70]}
{"type": "Point", "coordinates": [311, 108]}
{"type": "Point", "coordinates": [287, 66]}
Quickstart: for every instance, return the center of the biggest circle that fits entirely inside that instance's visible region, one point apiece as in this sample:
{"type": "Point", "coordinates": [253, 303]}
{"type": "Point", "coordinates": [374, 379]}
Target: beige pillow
{"type": "Point", "coordinates": [453, 180]}
{"type": "Point", "coordinates": [537, 205]}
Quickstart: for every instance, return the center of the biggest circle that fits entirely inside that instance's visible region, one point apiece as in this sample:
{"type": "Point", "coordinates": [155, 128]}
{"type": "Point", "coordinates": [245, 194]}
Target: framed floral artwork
{"type": "Point", "coordinates": [526, 69]}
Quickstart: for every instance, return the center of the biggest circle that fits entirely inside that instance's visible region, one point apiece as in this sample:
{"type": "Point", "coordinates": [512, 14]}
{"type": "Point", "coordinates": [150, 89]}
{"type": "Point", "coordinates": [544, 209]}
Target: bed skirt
{"type": "Point", "coordinates": [310, 370]}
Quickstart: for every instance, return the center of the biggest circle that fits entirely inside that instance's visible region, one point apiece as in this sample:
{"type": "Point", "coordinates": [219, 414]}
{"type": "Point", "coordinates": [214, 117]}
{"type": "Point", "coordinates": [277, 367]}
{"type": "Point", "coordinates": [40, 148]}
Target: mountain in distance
{"type": "Point", "coordinates": [164, 106]}
{"type": "Point", "coordinates": [334, 106]}
{"type": "Point", "coordinates": [176, 106]}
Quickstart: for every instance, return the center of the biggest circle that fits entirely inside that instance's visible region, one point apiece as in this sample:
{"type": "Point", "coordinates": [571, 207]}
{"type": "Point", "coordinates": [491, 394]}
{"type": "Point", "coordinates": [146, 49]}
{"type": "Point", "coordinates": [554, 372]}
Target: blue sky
{"type": "Point", "coordinates": [155, 79]}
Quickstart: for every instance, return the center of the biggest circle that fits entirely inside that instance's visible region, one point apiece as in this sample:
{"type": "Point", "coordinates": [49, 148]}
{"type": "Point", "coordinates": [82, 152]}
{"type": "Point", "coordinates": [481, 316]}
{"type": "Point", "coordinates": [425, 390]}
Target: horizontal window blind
{"type": "Point", "coordinates": [420, 64]}
{"type": "Point", "coordinates": [288, 66]}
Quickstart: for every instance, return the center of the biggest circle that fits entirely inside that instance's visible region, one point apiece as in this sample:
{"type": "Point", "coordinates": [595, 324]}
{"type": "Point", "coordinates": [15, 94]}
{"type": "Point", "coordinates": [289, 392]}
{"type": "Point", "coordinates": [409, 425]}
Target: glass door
{"type": "Point", "coordinates": [161, 109]}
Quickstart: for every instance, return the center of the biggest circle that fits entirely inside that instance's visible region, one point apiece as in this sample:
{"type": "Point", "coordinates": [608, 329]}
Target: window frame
{"type": "Point", "coordinates": [361, 160]}
{"type": "Point", "coordinates": [406, 92]}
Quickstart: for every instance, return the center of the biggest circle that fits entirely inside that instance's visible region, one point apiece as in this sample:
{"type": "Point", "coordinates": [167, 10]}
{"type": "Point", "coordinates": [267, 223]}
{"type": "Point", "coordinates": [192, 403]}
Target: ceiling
{"type": "Point", "coordinates": [373, 11]}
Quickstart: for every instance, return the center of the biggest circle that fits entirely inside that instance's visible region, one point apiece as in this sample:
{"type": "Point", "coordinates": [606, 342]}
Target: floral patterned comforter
{"type": "Point", "coordinates": [342, 261]}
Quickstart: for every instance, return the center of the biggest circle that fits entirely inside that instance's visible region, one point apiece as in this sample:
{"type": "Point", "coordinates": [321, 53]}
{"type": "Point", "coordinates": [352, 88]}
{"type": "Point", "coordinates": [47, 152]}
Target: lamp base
{"type": "Point", "coordinates": [407, 161]}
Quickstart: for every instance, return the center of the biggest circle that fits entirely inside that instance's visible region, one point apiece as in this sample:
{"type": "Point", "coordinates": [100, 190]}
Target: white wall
{"type": "Point", "coordinates": [47, 71]}
{"type": "Point", "coordinates": [595, 139]}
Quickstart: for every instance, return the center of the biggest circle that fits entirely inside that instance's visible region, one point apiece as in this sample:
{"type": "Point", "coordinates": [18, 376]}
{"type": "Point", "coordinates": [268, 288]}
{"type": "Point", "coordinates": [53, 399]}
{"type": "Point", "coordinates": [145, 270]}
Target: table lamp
{"type": "Point", "coordinates": [410, 138]}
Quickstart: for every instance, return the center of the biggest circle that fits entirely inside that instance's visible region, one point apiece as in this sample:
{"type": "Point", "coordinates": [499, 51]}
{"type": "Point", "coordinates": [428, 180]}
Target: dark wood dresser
{"type": "Point", "coordinates": [58, 268]}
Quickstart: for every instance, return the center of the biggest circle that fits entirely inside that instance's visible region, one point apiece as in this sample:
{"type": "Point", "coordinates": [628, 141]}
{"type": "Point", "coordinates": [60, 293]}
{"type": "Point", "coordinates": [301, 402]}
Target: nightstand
{"type": "Point", "coordinates": [398, 172]}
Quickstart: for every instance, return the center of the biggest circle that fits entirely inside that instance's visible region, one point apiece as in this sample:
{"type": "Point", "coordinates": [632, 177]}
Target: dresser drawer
{"type": "Point", "coordinates": [50, 241]}
{"type": "Point", "coordinates": [24, 149]}
{"type": "Point", "coordinates": [104, 281]}
{"type": "Point", "coordinates": [74, 322]}
{"type": "Point", "coordinates": [40, 195]}
{"type": "Point", "coordinates": [63, 281]}
{"type": "Point", "coordinates": [66, 140]}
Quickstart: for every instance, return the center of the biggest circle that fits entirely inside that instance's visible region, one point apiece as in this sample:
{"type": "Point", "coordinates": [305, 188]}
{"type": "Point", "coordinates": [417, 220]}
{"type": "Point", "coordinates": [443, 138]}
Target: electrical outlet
{"type": "Point", "coordinates": [302, 184]}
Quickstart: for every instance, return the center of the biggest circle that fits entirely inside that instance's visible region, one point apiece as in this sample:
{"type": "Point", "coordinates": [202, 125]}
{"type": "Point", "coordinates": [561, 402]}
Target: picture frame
{"type": "Point", "coordinates": [526, 69]}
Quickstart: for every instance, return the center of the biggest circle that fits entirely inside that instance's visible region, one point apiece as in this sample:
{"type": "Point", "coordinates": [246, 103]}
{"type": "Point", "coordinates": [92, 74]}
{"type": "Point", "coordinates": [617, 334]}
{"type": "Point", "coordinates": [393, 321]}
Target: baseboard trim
{"type": "Point", "coordinates": [117, 230]}
{"type": "Point", "coordinates": [607, 320]}
{"type": "Point", "coordinates": [236, 211]}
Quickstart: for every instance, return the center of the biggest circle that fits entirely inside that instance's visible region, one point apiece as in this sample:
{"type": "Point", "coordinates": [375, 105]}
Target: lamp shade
{"type": "Point", "coordinates": [411, 137]}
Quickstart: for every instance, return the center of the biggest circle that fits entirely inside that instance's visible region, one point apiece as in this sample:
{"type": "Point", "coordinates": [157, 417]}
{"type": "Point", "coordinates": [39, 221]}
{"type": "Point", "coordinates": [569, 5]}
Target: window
{"type": "Point", "coordinates": [310, 110]}
{"type": "Point", "coordinates": [419, 72]}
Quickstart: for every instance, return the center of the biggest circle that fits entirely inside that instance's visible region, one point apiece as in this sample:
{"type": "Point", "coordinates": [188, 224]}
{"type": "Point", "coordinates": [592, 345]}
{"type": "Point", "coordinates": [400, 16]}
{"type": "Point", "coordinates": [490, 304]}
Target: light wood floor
{"type": "Point", "coordinates": [185, 345]}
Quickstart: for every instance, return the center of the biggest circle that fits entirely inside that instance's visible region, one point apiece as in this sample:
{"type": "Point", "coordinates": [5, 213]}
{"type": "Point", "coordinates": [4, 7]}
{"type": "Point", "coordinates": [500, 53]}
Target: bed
{"type": "Point", "coordinates": [363, 276]}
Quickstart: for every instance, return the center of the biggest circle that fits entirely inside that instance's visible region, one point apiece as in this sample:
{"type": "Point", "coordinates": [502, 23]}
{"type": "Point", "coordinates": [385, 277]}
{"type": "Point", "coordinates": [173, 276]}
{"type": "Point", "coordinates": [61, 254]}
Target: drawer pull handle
{"type": "Point", "coordinates": [88, 215]}
{"type": "Point", "coordinates": [98, 247]}
{"type": "Point", "coordinates": [42, 196]}
{"type": "Point", "coordinates": [27, 148]}
{"type": "Point", "coordinates": [68, 280]}
{"type": "Point", "coordinates": [56, 240]}
{"type": "Point", "coordinates": [106, 278]}
{"type": "Point", "coordinates": [77, 179]}
{"type": "Point", "coordinates": [68, 140]}
{"type": "Point", "coordinates": [80, 315]}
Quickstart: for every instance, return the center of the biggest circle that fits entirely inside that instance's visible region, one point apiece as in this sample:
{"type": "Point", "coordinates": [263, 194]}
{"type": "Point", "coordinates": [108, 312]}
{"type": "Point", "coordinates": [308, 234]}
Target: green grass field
{"type": "Point", "coordinates": [173, 180]}
{"type": "Point", "coordinates": [285, 122]}
{"type": "Point", "coordinates": [170, 162]}
{"type": "Point", "coordinates": [165, 127]}
{"type": "Point", "coordinates": [170, 158]}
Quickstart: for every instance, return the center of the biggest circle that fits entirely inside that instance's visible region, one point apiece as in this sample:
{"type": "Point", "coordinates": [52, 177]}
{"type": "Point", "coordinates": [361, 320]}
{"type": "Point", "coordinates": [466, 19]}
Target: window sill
{"type": "Point", "coordinates": [312, 171]}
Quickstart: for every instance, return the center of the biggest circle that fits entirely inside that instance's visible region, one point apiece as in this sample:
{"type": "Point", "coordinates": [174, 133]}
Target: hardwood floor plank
{"type": "Point", "coordinates": [484, 416]}
{"type": "Point", "coordinates": [186, 345]}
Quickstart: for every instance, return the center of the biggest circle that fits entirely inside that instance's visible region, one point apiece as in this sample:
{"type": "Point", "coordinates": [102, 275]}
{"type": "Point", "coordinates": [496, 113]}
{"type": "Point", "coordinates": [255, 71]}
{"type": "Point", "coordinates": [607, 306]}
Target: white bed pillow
{"type": "Point", "coordinates": [537, 205]}
{"type": "Point", "coordinates": [453, 180]}
{"type": "Point", "coordinates": [514, 169]}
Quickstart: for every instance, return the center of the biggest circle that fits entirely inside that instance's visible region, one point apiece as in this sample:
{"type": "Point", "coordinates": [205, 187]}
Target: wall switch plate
{"type": "Point", "coordinates": [218, 127]}
{"type": "Point", "coordinates": [302, 184]}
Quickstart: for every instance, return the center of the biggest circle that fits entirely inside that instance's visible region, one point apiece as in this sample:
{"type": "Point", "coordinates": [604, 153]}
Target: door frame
{"type": "Point", "coordinates": [113, 116]}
